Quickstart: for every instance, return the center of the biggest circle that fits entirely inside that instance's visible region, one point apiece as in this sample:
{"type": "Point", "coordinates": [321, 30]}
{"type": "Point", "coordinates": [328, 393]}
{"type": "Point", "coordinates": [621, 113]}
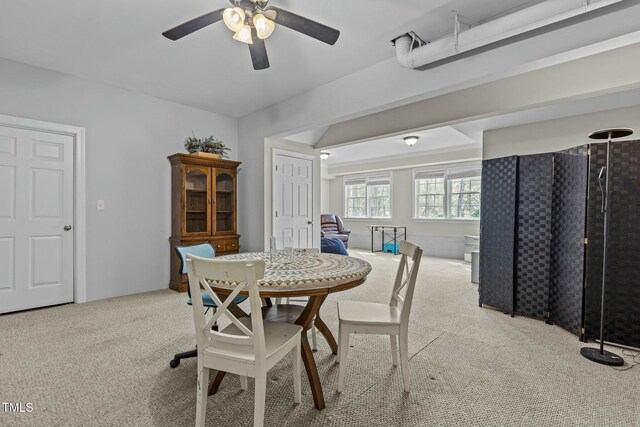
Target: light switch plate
{"type": "Point", "coordinates": [100, 205]}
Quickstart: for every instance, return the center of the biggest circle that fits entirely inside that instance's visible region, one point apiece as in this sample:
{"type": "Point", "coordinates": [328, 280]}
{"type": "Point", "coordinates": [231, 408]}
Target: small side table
{"type": "Point", "coordinates": [389, 234]}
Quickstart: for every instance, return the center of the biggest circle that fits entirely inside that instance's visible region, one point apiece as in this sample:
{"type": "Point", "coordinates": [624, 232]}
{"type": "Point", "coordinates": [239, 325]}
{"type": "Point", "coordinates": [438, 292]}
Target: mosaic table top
{"type": "Point", "coordinates": [305, 271]}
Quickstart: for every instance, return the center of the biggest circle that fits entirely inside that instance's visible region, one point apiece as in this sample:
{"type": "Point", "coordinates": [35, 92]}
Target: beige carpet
{"type": "Point", "coordinates": [107, 363]}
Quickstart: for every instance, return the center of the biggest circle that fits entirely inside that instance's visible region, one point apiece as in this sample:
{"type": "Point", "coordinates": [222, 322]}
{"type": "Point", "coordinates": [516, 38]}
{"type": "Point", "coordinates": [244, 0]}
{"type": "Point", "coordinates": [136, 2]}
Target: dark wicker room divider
{"type": "Point", "coordinates": [537, 211]}
{"type": "Point", "coordinates": [622, 299]}
{"type": "Point", "coordinates": [533, 257]}
{"type": "Point", "coordinates": [497, 225]}
{"type": "Point", "coordinates": [568, 230]}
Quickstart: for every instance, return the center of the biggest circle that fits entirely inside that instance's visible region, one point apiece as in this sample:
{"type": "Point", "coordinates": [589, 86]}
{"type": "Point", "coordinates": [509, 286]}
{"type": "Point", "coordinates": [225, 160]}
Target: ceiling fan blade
{"type": "Point", "coordinates": [258, 52]}
{"type": "Point", "coordinates": [306, 26]}
{"type": "Point", "coordinates": [193, 25]}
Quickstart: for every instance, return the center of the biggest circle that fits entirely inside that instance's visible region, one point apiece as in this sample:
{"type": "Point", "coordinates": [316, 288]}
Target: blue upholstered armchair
{"type": "Point", "coordinates": [204, 250]}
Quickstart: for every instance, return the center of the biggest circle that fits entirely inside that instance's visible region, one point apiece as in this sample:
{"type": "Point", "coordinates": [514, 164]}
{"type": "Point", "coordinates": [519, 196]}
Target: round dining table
{"type": "Point", "coordinates": [303, 274]}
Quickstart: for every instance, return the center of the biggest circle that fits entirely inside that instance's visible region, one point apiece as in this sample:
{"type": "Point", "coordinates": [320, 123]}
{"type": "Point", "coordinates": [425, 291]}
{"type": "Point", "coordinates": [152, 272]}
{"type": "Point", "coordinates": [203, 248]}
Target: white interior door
{"type": "Point", "coordinates": [293, 195]}
{"type": "Point", "coordinates": [36, 216]}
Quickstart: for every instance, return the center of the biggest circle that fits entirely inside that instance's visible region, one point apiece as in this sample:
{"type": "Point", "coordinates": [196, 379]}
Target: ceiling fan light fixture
{"type": "Point", "coordinates": [252, 21]}
{"type": "Point", "coordinates": [264, 26]}
{"type": "Point", "coordinates": [244, 35]}
{"type": "Point", "coordinates": [233, 18]}
{"type": "Point", "coordinates": [411, 140]}
{"type": "Point", "coordinates": [324, 155]}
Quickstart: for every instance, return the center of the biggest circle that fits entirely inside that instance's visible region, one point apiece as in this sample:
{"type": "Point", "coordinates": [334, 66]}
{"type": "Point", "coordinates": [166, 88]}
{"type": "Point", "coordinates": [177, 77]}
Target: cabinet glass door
{"type": "Point", "coordinates": [225, 203]}
{"type": "Point", "coordinates": [197, 200]}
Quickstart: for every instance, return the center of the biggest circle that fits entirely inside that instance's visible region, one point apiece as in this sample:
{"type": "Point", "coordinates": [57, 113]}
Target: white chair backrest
{"type": "Point", "coordinates": [402, 294]}
{"type": "Point", "coordinates": [245, 274]}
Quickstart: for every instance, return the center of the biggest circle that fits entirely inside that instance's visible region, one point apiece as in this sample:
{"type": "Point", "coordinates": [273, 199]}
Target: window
{"type": "Point", "coordinates": [429, 190]}
{"type": "Point", "coordinates": [356, 204]}
{"type": "Point", "coordinates": [448, 192]}
{"type": "Point", "coordinates": [464, 197]}
{"type": "Point", "coordinates": [367, 196]}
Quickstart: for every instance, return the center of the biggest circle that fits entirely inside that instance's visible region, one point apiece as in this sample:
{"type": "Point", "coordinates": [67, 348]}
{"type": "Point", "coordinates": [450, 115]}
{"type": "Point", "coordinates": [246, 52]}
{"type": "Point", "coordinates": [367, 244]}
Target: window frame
{"type": "Point", "coordinates": [450, 193]}
{"type": "Point", "coordinates": [449, 172]}
{"type": "Point", "coordinates": [368, 179]}
{"type": "Point", "coordinates": [417, 193]}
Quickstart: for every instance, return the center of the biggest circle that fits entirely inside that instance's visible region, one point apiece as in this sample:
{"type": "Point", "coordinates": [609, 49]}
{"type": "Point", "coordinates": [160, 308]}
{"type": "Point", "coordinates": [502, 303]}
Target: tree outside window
{"type": "Point", "coordinates": [464, 197]}
{"type": "Point", "coordinates": [430, 197]}
{"type": "Point", "coordinates": [356, 200]}
{"type": "Point", "coordinates": [368, 196]}
{"type": "Point", "coordinates": [450, 192]}
{"type": "Point", "coordinates": [379, 196]}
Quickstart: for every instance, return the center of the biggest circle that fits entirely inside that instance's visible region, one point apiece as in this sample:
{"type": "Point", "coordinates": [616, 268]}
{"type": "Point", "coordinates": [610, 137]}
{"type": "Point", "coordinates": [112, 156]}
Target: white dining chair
{"type": "Point", "coordinates": [383, 319]}
{"type": "Point", "coordinates": [249, 346]}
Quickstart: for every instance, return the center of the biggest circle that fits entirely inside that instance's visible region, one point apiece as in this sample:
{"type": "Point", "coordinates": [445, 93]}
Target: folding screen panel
{"type": "Point", "coordinates": [594, 249]}
{"type": "Point", "coordinates": [541, 213]}
{"type": "Point", "coordinates": [622, 298]}
{"type": "Point", "coordinates": [535, 179]}
{"type": "Point", "coordinates": [497, 232]}
{"type": "Point", "coordinates": [567, 244]}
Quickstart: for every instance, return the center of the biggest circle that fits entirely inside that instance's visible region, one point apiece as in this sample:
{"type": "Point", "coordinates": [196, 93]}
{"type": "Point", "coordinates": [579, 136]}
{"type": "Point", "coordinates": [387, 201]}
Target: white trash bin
{"type": "Point", "coordinates": [475, 267]}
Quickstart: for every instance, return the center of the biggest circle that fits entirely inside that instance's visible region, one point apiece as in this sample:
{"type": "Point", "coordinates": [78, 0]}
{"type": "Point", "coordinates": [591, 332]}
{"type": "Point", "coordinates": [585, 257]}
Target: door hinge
{"type": "Point", "coordinates": [588, 151]}
{"type": "Point", "coordinates": [586, 240]}
{"type": "Point", "coordinates": [582, 331]}
{"type": "Point", "coordinates": [276, 214]}
{"type": "Point", "coordinates": [276, 168]}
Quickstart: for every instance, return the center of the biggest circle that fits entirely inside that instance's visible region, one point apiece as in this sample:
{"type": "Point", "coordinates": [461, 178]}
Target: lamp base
{"type": "Point", "coordinates": [604, 358]}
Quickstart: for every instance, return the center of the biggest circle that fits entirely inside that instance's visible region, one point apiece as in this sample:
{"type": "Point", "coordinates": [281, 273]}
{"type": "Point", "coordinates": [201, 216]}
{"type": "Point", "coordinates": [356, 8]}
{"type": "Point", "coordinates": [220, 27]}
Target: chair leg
{"type": "Point", "coordinates": [297, 381]}
{"type": "Point", "coordinates": [343, 351]}
{"type": "Point", "coordinates": [201, 397]}
{"type": "Point", "coordinates": [244, 384]}
{"type": "Point", "coordinates": [394, 349]}
{"type": "Point", "coordinates": [404, 360]}
{"type": "Point", "coordinates": [339, 335]}
{"type": "Point", "coordinates": [260, 398]}
{"type": "Point", "coordinates": [185, 355]}
{"type": "Point", "coordinates": [314, 340]}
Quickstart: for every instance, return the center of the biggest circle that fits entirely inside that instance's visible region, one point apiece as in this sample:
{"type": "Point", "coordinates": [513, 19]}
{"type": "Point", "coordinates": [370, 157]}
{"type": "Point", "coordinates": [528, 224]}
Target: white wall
{"type": "Point", "coordinates": [387, 85]}
{"type": "Point", "coordinates": [128, 139]}
{"type": "Point", "coordinates": [558, 134]}
{"type": "Point", "coordinates": [444, 238]}
{"type": "Point", "coordinates": [325, 189]}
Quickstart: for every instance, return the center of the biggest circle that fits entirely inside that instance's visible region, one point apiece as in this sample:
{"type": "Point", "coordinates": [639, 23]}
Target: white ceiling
{"type": "Point", "coordinates": [462, 136]}
{"type": "Point", "coordinates": [465, 135]}
{"type": "Point", "coordinates": [119, 42]}
{"type": "Point", "coordinates": [434, 140]}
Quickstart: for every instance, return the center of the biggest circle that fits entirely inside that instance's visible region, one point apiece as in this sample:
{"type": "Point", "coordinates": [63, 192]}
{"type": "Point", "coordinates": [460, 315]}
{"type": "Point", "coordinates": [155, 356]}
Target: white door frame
{"type": "Point", "coordinates": [79, 206]}
{"type": "Point", "coordinates": [315, 211]}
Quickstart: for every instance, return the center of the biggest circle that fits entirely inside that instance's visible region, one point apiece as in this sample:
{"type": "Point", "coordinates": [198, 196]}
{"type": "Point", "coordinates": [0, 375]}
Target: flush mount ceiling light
{"type": "Point", "coordinates": [411, 140]}
{"type": "Point", "coordinates": [252, 21]}
{"type": "Point", "coordinates": [324, 155]}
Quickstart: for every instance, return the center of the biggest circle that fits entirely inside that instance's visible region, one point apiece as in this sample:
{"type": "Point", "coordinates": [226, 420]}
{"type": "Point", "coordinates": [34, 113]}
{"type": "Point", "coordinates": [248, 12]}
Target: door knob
{"type": "Point", "coordinates": [309, 222]}
{"type": "Point", "coordinates": [67, 227]}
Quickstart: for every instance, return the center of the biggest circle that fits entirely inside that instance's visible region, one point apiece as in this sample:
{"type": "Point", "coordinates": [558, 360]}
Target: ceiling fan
{"type": "Point", "coordinates": [253, 21]}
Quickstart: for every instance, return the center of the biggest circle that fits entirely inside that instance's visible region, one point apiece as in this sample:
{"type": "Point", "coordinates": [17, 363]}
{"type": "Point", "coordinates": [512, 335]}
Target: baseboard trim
{"type": "Point", "coordinates": [437, 246]}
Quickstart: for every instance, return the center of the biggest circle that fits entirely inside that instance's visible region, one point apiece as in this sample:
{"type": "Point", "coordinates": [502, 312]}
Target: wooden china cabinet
{"type": "Point", "coordinates": [203, 208]}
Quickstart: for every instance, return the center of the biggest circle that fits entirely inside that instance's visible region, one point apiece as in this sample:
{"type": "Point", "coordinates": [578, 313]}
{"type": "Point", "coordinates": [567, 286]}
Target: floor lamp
{"type": "Point", "coordinates": [600, 355]}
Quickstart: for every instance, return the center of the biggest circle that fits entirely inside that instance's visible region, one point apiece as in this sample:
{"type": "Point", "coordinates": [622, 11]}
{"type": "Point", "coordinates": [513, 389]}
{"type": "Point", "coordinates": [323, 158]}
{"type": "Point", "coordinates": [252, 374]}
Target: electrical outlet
{"type": "Point", "coordinates": [100, 205]}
